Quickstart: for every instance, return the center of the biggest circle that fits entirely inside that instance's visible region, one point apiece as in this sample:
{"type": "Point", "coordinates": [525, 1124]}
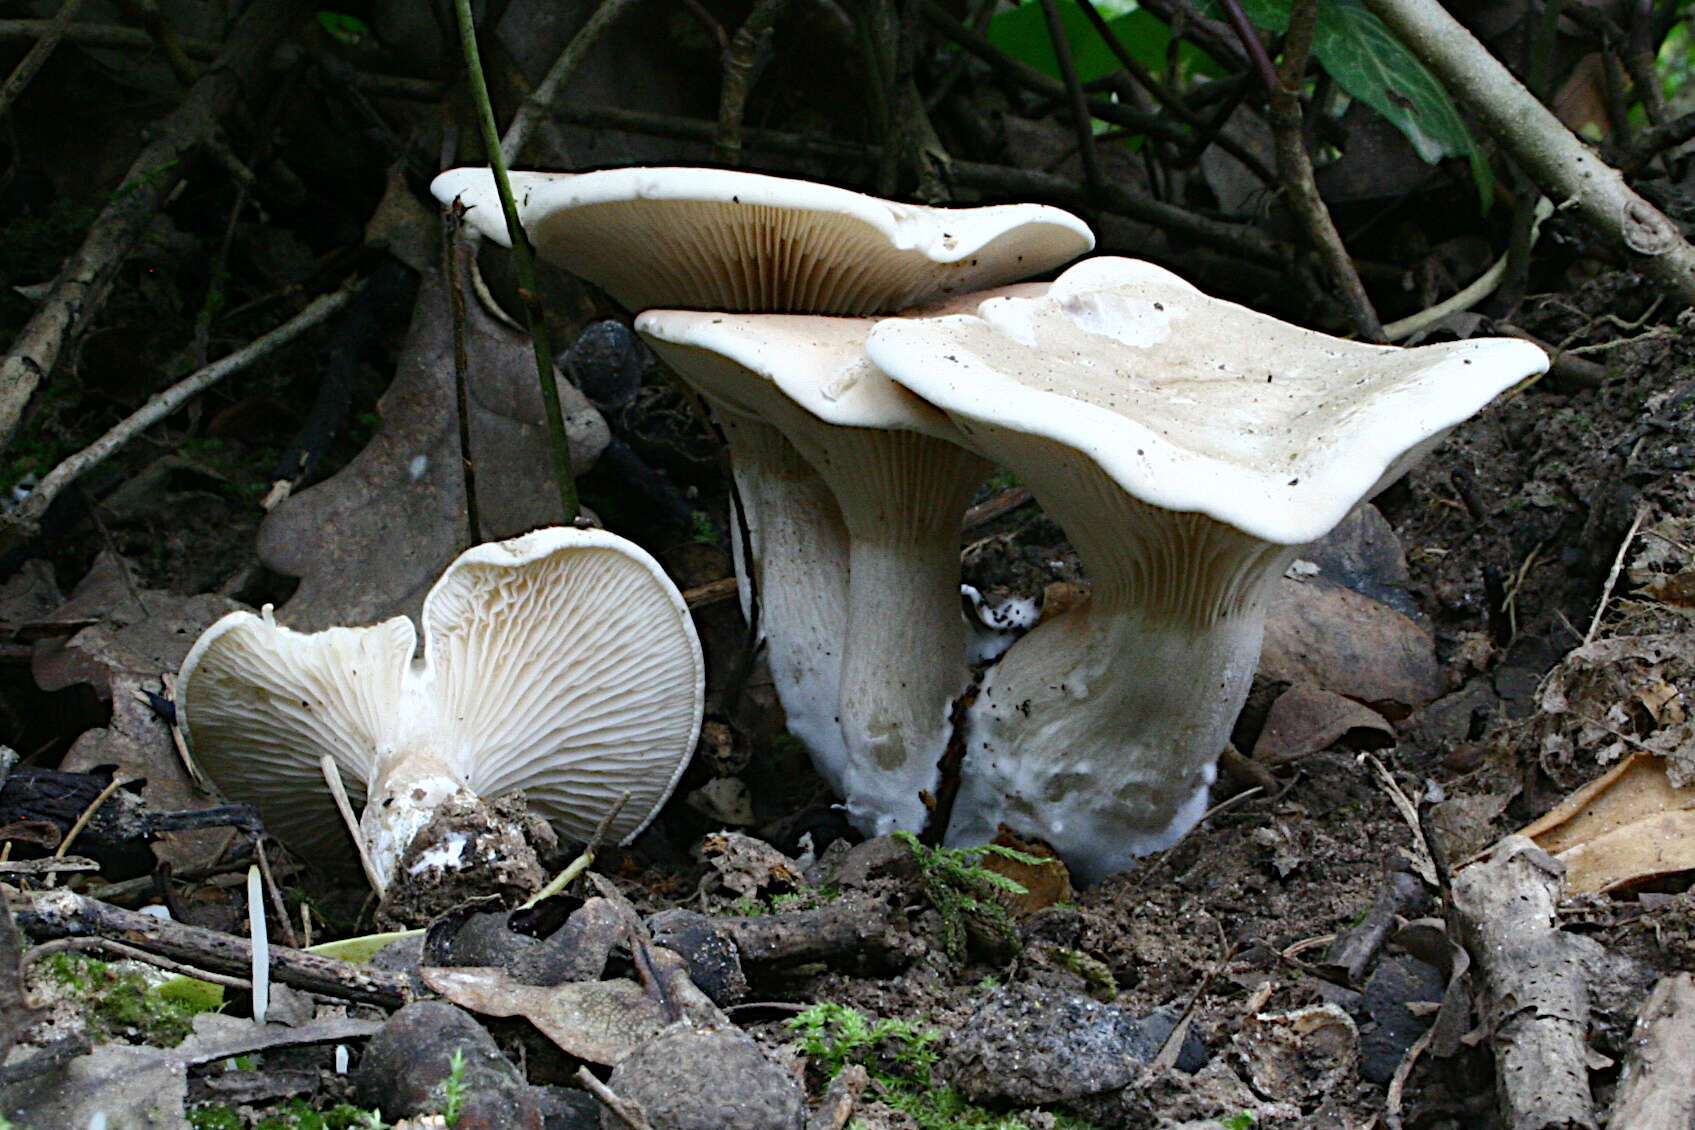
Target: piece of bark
{"type": "Point", "coordinates": [65, 914]}
{"type": "Point", "coordinates": [864, 930]}
{"type": "Point", "coordinates": [1533, 985]}
{"type": "Point", "coordinates": [1654, 1093]}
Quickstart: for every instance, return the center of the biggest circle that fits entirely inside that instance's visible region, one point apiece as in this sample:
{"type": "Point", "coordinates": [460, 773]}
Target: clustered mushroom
{"type": "Point", "coordinates": [1187, 446]}
{"type": "Point", "coordinates": [850, 488]}
{"type": "Point", "coordinates": [865, 386]}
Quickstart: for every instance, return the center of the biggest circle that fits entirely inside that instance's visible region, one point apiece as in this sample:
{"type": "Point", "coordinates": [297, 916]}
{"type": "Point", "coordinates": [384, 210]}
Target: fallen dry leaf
{"type": "Point", "coordinates": [600, 1021]}
{"type": "Point", "coordinates": [1306, 719]}
{"type": "Point", "coordinates": [1321, 633]}
{"type": "Point", "coordinates": [368, 542]}
{"type": "Point", "coordinates": [1628, 825]}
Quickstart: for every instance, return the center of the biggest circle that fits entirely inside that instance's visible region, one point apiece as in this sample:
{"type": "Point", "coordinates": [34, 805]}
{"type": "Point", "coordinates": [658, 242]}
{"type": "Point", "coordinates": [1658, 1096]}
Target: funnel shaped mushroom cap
{"type": "Point", "coordinates": [563, 663]}
{"type": "Point", "coordinates": [261, 704]}
{"type": "Point", "coordinates": [1193, 404]}
{"type": "Point", "coordinates": [718, 239]}
{"type": "Point", "coordinates": [1186, 445]}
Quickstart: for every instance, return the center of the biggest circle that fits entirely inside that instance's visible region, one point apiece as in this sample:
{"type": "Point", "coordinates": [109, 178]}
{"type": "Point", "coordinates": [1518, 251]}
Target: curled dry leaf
{"type": "Point", "coordinates": [1631, 824]}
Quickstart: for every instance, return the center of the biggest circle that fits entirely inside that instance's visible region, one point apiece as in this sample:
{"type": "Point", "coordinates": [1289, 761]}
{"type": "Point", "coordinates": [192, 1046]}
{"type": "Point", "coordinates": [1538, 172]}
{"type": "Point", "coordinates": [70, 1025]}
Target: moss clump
{"type": "Point", "coordinates": [295, 1114]}
{"type": "Point", "coordinates": [900, 1056]}
{"type": "Point", "coordinates": [121, 1004]}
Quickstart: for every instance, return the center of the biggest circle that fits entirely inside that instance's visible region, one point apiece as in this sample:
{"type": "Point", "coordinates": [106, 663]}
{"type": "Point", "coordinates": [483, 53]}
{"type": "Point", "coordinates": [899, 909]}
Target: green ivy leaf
{"type": "Point", "coordinates": [347, 29]}
{"type": "Point", "coordinates": [1360, 52]}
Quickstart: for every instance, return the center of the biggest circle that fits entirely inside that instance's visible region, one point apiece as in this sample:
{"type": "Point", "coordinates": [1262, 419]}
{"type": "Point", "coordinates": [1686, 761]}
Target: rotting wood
{"type": "Point", "coordinates": [1533, 985]}
{"type": "Point", "coordinates": [62, 914]}
{"type": "Point", "coordinates": [866, 928]}
{"type": "Point", "coordinates": [1654, 1092]}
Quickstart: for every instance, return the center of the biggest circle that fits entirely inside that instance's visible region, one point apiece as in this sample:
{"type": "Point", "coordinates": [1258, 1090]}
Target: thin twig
{"type": "Point", "coordinates": [585, 858]}
{"type": "Point", "coordinates": [524, 260]}
{"type": "Point", "coordinates": [1172, 104]}
{"type": "Point", "coordinates": [1154, 125]}
{"type": "Point", "coordinates": [1080, 119]}
{"type": "Point", "coordinates": [738, 69]}
{"type": "Point", "coordinates": [625, 1110]}
{"type": "Point", "coordinates": [278, 907]}
{"type": "Point", "coordinates": [37, 55]}
{"type": "Point", "coordinates": [117, 782]}
{"type": "Point", "coordinates": [453, 253]}
{"type": "Point", "coordinates": [1294, 169]}
{"type": "Point", "coordinates": [332, 777]}
{"type": "Point", "coordinates": [1612, 575]}
{"type": "Point", "coordinates": [164, 37]}
{"type": "Point", "coordinates": [536, 107]}
{"type": "Point", "coordinates": [162, 404]}
{"type": "Point", "coordinates": [130, 953]}
{"type": "Point", "coordinates": [84, 280]}
{"type": "Point", "coordinates": [1469, 296]}
{"type": "Point", "coordinates": [1564, 167]}
{"type": "Point", "coordinates": [1238, 240]}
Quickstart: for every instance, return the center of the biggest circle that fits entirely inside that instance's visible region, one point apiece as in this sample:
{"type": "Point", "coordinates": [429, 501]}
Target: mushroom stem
{"type": "Point", "coordinates": [407, 793]}
{"type": "Point", "coordinates": [800, 573]}
{"type": "Point", "coordinates": [1176, 616]}
{"type": "Point", "coordinates": [901, 496]}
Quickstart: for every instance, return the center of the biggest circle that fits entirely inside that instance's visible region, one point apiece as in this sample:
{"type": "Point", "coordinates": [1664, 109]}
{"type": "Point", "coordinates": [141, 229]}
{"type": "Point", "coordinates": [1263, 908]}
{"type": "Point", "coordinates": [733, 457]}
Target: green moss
{"type": "Point", "coordinates": [295, 1114]}
{"type": "Point", "coordinates": [900, 1055]}
{"type": "Point", "coordinates": [121, 1004]}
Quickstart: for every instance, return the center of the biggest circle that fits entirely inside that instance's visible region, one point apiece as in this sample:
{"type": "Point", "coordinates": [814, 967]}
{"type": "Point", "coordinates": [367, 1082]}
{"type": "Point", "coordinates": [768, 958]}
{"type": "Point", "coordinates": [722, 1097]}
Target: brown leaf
{"type": "Point", "coordinates": [600, 1021]}
{"type": "Point", "coordinates": [1306, 719]}
{"type": "Point", "coordinates": [1320, 633]}
{"type": "Point", "coordinates": [368, 542]}
{"type": "Point", "coordinates": [1628, 825]}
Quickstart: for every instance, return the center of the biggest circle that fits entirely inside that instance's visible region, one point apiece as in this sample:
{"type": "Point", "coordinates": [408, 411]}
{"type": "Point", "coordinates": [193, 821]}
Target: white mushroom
{"type": "Point", "coordinates": [563, 663]}
{"type": "Point", "coordinates": [1187, 446]}
{"type": "Point", "coordinates": [722, 239]}
{"type": "Point", "coordinates": [736, 241]}
{"type": "Point", "coordinates": [901, 481]}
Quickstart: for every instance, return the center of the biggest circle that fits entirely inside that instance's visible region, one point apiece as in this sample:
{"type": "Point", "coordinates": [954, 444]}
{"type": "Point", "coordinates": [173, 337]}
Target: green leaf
{"type": "Point", "coordinates": [347, 29]}
{"type": "Point", "coordinates": [1022, 32]}
{"type": "Point", "coordinates": [1360, 52]}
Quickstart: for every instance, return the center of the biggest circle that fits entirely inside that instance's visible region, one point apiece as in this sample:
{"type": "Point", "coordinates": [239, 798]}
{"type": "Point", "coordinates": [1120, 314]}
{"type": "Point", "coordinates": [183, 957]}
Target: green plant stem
{"type": "Point", "coordinates": [524, 259]}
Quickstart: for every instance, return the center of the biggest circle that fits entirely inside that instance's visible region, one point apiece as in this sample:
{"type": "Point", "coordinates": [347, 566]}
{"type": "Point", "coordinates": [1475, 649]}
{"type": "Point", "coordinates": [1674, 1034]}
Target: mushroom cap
{"type": "Point", "coordinates": [563, 663]}
{"type": "Point", "coordinates": [720, 239]}
{"type": "Point", "coordinates": [816, 361]}
{"type": "Point", "coordinates": [260, 705]}
{"type": "Point", "coordinates": [1193, 404]}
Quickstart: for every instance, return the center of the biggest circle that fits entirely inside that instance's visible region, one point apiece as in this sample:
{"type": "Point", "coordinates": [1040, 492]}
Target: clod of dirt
{"type": "Point", "coordinates": [1030, 1045]}
{"type": "Point", "coordinates": [1397, 983]}
{"type": "Point", "coordinates": [690, 1078]}
{"type": "Point", "coordinates": [407, 1067]}
{"type": "Point", "coordinates": [500, 844]}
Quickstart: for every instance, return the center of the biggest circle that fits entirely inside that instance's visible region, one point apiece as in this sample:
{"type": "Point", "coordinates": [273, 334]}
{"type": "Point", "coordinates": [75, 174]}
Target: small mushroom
{"type": "Point", "coordinates": [1188, 447]}
{"type": "Point", "coordinates": [562, 663]}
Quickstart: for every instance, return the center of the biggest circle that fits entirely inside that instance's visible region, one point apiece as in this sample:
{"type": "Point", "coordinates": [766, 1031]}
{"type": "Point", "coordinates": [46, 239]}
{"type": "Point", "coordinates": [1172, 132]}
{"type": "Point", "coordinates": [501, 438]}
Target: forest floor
{"type": "Point", "coordinates": [1300, 942]}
